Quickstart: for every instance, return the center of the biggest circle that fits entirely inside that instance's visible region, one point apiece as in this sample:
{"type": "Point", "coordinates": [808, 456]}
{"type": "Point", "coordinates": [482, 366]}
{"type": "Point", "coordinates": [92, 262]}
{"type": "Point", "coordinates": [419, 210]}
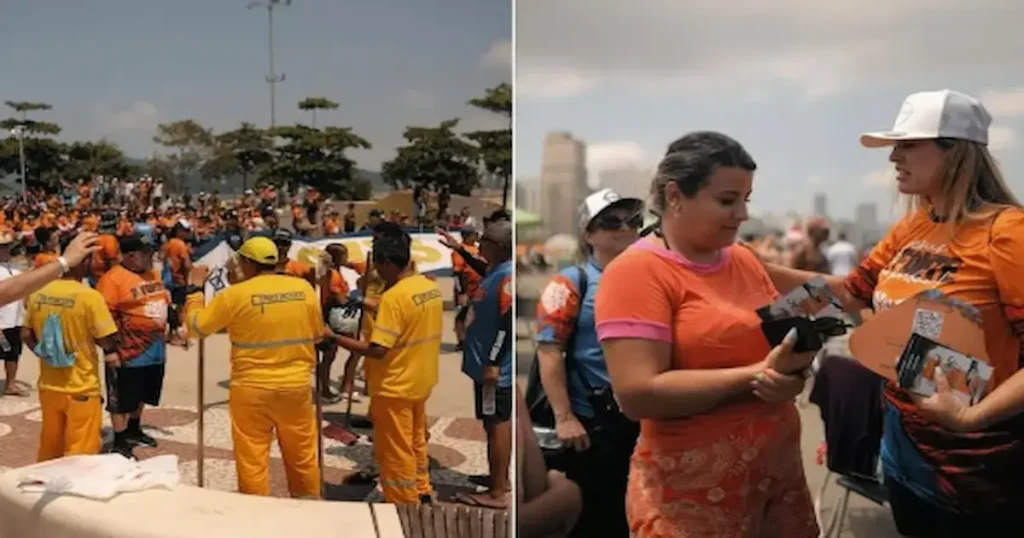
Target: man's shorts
{"type": "Point", "coordinates": [135, 386]}
{"type": "Point", "coordinates": [502, 404]}
{"type": "Point", "coordinates": [13, 347]}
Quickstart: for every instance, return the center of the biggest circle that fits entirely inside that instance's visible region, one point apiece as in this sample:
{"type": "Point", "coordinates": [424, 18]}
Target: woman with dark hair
{"type": "Point", "coordinates": [950, 469]}
{"type": "Point", "coordinates": [719, 446]}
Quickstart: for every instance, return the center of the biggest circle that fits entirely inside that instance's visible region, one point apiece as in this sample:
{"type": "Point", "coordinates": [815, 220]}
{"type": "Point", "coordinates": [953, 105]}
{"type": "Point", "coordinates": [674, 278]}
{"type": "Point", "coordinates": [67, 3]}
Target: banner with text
{"type": "Point", "coordinates": [429, 254]}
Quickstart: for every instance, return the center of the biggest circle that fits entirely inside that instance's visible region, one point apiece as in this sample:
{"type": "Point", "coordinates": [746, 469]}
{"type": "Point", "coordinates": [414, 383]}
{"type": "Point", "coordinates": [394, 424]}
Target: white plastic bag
{"type": "Point", "coordinates": [102, 476]}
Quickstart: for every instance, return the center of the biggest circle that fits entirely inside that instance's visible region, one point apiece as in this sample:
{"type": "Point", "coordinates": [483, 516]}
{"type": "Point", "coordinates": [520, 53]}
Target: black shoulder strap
{"type": "Point", "coordinates": [570, 343]}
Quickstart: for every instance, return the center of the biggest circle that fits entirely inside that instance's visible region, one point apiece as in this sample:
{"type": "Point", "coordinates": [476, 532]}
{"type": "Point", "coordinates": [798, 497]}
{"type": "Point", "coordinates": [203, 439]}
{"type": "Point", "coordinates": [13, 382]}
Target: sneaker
{"type": "Point", "coordinates": [143, 439]}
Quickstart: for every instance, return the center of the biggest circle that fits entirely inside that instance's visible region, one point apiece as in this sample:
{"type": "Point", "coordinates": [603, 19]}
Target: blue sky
{"type": "Point", "coordinates": [116, 68]}
{"type": "Point", "coordinates": [795, 81]}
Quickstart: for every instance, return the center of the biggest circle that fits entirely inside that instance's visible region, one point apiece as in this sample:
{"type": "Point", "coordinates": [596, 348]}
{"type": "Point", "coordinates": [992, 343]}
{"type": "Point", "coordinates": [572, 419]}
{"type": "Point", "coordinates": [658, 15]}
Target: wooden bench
{"type": "Point", "coordinates": [453, 521]}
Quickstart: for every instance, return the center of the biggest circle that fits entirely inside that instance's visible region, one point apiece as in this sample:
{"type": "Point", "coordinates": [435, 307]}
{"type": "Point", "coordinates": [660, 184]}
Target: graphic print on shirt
{"type": "Point", "coordinates": [920, 263]}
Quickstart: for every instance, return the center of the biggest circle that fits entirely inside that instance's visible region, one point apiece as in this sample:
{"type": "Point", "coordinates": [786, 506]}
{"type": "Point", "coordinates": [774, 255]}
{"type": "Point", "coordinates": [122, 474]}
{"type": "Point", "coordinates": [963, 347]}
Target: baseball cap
{"type": "Point", "coordinates": [283, 237]}
{"type": "Point", "coordinates": [604, 199]}
{"type": "Point", "coordinates": [136, 243]}
{"type": "Point", "coordinates": [260, 250]}
{"type": "Point", "coordinates": [935, 114]}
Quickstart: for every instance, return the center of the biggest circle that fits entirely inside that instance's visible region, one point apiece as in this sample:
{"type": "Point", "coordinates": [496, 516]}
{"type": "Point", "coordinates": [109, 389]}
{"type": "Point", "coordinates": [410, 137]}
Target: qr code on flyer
{"type": "Point", "coordinates": [928, 323]}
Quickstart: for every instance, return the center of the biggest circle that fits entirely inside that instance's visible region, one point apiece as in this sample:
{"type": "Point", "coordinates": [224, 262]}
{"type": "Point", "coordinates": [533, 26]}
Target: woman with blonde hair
{"type": "Point", "coordinates": [951, 469]}
{"type": "Point", "coordinates": [719, 447]}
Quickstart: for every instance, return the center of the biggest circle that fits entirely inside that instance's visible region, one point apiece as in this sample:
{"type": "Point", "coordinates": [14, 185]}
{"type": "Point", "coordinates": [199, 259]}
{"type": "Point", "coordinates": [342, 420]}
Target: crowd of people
{"type": "Point", "coordinates": [674, 415]}
{"type": "Point", "coordinates": [97, 283]}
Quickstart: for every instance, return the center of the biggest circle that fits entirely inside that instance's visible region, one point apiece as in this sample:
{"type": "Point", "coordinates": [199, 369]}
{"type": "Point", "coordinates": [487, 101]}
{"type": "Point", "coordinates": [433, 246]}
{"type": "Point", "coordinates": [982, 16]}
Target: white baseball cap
{"type": "Point", "coordinates": [604, 199]}
{"type": "Point", "coordinates": [935, 114]}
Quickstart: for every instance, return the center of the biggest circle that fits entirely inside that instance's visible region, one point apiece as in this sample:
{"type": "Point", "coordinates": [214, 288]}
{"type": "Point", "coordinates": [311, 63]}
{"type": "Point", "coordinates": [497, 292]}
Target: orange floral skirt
{"type": "Point", "coordinates": [744, 480]}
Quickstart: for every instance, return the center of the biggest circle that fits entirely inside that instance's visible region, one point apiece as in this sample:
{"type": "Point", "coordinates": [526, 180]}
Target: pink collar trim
{"type": "Point", "coordinates": [678, 258]}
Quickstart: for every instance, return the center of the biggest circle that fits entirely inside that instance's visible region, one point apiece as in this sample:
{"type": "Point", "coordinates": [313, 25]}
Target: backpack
{"type": "Point", "coordinates": [50, 347]}
{"type": "Point", "coordinates": [167, 275]}
{"type": "Point", "coordinates": [537, 402]}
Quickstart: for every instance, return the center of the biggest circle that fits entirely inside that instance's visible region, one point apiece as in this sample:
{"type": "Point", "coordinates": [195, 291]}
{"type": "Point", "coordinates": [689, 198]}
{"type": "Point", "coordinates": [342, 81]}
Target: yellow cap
{"type": "Point", "coordinates": [260, 250]}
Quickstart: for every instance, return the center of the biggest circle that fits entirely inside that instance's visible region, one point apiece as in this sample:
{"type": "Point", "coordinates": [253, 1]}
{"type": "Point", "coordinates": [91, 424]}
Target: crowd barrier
{"type": "Point", "coordinates": [186, 512]}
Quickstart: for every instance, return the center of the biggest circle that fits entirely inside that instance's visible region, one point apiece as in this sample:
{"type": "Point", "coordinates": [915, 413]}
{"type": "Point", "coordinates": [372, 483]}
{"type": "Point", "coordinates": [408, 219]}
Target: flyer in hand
{"type": "Point", "coordinates": [813, 299]}
{"type": "Point", "coordinates": [812, 309]}
{"type": "Point", "coordinates": [967, 376]}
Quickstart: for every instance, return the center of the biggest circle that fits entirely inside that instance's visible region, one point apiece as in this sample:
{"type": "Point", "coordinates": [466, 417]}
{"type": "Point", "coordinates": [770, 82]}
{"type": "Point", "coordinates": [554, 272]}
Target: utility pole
{"type": "Point", "coordinates": [272, 78]}
{"type": "Point", "coordinates": [19, 131]}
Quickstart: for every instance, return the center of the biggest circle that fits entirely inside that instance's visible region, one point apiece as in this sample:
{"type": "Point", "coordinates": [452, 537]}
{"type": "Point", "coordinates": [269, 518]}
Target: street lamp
{"type": "Point", "coordinates": [272, 78]}
{"type": "Point", "coordinates": [19, 132]}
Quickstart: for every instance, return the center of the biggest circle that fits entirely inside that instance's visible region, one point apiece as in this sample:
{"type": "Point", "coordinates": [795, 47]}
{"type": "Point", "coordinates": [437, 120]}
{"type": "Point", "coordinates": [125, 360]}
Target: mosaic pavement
{"type": "Point", "coordinates": [457, 448]}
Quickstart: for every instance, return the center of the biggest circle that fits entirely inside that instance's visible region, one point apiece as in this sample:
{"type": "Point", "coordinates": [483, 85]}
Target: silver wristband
{"type": "Point", "coordinates": [64, 267]}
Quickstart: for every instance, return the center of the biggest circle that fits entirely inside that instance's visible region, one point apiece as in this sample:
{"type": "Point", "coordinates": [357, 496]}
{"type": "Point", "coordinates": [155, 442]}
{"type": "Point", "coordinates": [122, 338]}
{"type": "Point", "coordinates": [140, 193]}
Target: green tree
{"type": "Point", "coordinates": [87, 159]}
{"type": "Point", "coordinates": [496, 145]}
{"type": "Point", "coordinates": [32, 127]}
{"type": "Point", "coordinates": [434, 156]}
{"type": "Point", "coordinates": [44, 157]}
{"type": "Point", "coordinates": [192, 145]}
{"type": "Point", "coordinates": [239, 153]}
{"type": "Point", "coordinates": [312, 104]}
{"type": "Point", "coordinates": [316, 158]}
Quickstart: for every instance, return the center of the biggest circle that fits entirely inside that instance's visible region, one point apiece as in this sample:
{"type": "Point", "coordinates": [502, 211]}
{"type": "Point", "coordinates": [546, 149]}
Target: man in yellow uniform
{"type": "Point", "coordinates": [401, 369]}
{"type": "Point", "coordinates": [64, 322]}
{"type": "Point", "coordinates": [274, 323]}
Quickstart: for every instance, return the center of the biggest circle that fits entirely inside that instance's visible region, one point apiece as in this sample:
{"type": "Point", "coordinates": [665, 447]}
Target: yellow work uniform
{"type": "Point", "coordinates": [409, 322]}
{"type": "Point", "coordinates": [274, 323]}
{"type": "Point", "coordinates": [70, 398]}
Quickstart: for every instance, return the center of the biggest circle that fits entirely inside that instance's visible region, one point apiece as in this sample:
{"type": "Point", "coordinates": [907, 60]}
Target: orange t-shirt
{"type": "Point", "coordinates": [179, 255]}
{"type": "Point", "coordinates": [708, 315]}
{"type": "Point", "coordinates": [138, 303]}
{"type": "Point", "coordinates": [44, 258]}
{"type": "Point", "coordinates": [470, 279]}
{"type": "Point", "coordinates": [981, 267]}
{"type": "Point", "coordinates": [107, 256]}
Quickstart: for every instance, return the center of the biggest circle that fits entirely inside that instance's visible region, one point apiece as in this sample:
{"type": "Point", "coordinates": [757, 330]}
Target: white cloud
{"type": "Point", "coordinates": [140, 115]}
{"type": "Point", "coordinates": [499, 54]}
{"type": "Point", "coordinates": [416, 99]}
{"type": "Point", "coordinates": [553, 84]}
{"type": "Point", "coordinates": [819, 48]}
{"type": "Point", "coordinates": [1008, 102]}
{"type": "Point", "coordinates": [1000, 138]}
{"type": "Point", "coordinates": [615, 154]}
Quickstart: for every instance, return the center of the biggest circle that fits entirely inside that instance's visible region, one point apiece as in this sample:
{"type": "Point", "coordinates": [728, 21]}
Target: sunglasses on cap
{"type": "Point", "coordinates": [615, 222]}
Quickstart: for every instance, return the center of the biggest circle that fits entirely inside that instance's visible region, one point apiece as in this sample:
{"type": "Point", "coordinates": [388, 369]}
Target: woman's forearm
{"type": "Point", "coordinates": [1006, 401]}
{"type": "Point", "coordinates": [787, 279]}
{"type": "Point", "coordinates": [552, 378]}
{"type": "Point", "coordinates": [684, 393]}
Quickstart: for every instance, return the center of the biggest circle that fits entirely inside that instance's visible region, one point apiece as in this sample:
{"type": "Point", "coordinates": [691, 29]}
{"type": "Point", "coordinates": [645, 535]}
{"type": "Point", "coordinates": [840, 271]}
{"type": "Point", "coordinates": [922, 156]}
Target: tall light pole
{"type": "Point", "coordinates": [272, 78]}
{"type": "Point", "coordinates": [19, 131]}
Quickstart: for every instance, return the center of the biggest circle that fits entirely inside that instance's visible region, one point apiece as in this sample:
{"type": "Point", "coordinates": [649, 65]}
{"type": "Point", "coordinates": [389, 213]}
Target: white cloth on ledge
{"type": "Point", "coordinates": [101, 477]}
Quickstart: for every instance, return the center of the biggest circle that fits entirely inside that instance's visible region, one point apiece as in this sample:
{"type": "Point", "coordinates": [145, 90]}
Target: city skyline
{"type": "Point", "coordinates": [629, 80]}
{"type": "Point", "coordinates": [115, 69]}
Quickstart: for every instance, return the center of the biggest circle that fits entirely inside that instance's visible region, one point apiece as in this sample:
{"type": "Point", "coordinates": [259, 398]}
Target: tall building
{"type": "Point", "coordinates": [820, 205]}
{"type": "Point", "coordinates": [866, 220]}
{"type": "Point", "coordinates": [563, 182]}
{"type": "Point", "coordinates": [627, 181]}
